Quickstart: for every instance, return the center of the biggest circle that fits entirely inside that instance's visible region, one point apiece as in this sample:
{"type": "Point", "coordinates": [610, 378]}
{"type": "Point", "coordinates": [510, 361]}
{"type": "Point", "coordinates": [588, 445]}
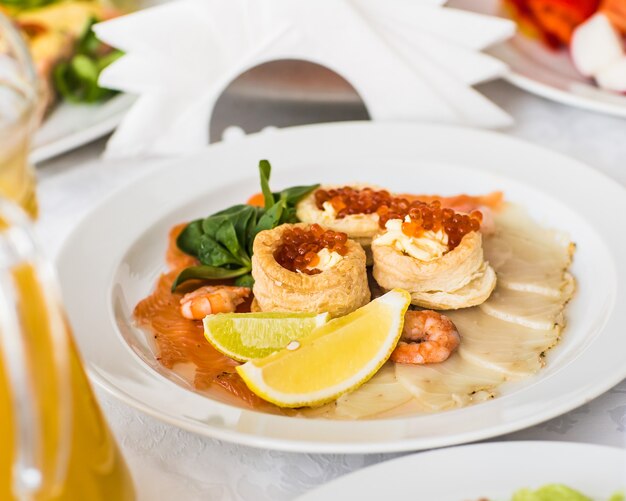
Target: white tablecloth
{"type": "Point", "coordinates": [168, 463]}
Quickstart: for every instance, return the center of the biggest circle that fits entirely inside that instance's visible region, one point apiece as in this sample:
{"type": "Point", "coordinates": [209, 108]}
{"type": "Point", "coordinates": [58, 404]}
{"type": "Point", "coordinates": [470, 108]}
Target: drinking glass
{"type": "Point", "coordinates": [19, 115]}
{"type": "Point", "coordinates": [54, 441]}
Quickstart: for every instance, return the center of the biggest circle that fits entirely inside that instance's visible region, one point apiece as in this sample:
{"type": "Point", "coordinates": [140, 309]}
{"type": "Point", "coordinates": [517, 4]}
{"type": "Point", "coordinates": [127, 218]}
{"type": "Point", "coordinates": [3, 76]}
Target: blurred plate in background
{"type": "Point", "coordinates": [544, 72]}
{"type": "Point", "coordinates": [492, 471]}
{"type": "Point", "coordinates": [71, 125]}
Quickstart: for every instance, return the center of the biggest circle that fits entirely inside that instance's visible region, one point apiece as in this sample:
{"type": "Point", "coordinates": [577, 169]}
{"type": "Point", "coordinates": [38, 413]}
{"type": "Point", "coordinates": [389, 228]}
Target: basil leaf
{"type": "Point", "coordinates": [204, 272]}
{"type": "Point", "coordinates": [245, 281]}
{"type": "Point", "coordinates": [265, 170]}
{"type": "Point", "coordinates": [270, 219]}
{"type": "Point", "coordinates": [212, 253]}
{"type": "Point", "coordinates": [296, 193]}
{"type": "Point", "coordinates": [189, 239]}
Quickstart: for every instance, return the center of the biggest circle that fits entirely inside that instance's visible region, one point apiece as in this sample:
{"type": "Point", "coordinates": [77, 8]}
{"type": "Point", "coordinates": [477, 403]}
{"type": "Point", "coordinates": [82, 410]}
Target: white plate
{"type": "Point", "coordinates": [493, 471]}
{"type": "Point", "coordinates": [72, 125]}
{"type": "Point", "coordinates": [547, 73]}
{"type": "Point", "coordinates": [115, 255]}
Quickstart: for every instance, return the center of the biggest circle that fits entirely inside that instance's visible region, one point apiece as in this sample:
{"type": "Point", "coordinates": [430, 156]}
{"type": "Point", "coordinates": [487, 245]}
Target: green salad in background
{"type": "Point", "coordinates": [77, 78]}
{"type": "Point", "coordinates": [67, 55]}
{"type": "Point", "coordinates": [558, 492]}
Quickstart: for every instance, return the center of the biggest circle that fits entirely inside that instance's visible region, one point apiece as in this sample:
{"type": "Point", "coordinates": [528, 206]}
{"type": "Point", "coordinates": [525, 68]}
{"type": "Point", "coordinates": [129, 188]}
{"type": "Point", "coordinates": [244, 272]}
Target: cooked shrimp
{"type": "Point", "coordinates": [428, 337]}
{"type": "Point", "coordinates": [212, 299]}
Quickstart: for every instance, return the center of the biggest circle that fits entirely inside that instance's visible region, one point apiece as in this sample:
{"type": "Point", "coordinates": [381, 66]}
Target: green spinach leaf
{"type": "Point", "coordinates": [227, 236]}
{"type": "Point", "coordinates": [296, 193]}
{"type": "Point", "coordinates": [189, 239]}
{"type": "Point", "coordinates": [212, 223]}
{"type": "Point", "coordinates": [250, 229]}
{"type": "Point", "coordinates": [265, 169]}
{"type": "Point", "coordinates": [245, 281]}
{"type": "Point", "coordinates": [271, 218]}
{"type": "Point", "coordinates": [205, 272]}
{"type": "Point", "coordinates": [212, 253]}
{"type": "Point", "coordinates": [223, 241]}
{"type": "Point", "coordinates": [241, 219]}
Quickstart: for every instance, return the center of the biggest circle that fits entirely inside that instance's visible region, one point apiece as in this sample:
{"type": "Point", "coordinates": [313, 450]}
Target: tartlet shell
{"type": "Point", "coordinates": [453, 270]}
{"type": "Point", "coordinates": [338, 291]}
{"type": "Point", "coordinates": [359, 227]}
{"type": "Point", "coordinates": [458, 279]}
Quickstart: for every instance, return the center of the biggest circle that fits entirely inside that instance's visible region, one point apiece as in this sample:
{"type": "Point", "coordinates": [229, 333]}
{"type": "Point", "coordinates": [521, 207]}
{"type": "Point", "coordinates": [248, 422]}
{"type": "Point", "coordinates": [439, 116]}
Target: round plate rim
{"type": "Point", "coordinates": [397, 445]}
{"type": "Point", "coordinates": [560, 96]}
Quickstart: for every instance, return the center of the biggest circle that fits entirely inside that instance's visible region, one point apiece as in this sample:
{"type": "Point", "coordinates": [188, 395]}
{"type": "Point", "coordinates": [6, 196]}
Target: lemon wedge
{"type": "Point", "coordinates": [244, 336]}
{"type": "Point", "coordinates": [336, 358]}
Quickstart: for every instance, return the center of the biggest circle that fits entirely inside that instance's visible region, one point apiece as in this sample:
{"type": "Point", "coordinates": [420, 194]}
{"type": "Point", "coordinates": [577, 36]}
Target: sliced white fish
{"type": "Point", "coordinates": [454, 383]}
{"type": "Point", "coordinates": [527, 257]}
{"type": "Point", "coordinates": [514, 219]}
{"type": "Point", "coordinates": [528, 309]}
{"type": "Point", "coordinates": [503, 339]}
{"type": "Point", "coordinates": [529, 267]}
{"type": "Point", "coordinates": [511, 349]}
{"type": "Point", "coordinates": [380, 394]}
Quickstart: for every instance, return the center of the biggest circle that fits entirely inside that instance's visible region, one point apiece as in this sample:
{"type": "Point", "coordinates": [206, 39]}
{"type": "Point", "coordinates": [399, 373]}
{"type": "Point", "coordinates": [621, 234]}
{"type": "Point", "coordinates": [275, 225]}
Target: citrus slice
{"type": "Point", "coordinates": [337, 357]}
{"type": "Point", "coordinates": [244, 336]}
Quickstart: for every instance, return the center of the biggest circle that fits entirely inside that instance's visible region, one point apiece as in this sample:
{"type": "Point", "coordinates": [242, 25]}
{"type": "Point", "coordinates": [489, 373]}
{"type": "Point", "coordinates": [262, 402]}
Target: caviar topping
{"type": "Point", "coordinates": [418, 217]}
{"type": "Point", "coordinates": [348, 201]}
{"type": "Point", "coordinates": [299, 249]}
{"type": "Point", "coordinates": [421, 217]}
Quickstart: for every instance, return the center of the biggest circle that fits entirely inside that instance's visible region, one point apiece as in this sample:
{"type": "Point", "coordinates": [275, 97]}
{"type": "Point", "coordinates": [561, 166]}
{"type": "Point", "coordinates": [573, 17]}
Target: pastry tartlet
{"type": "Point", "coordinates": [348, 209]}
{"type": "Point", "coordinates": [306, 268]}
{"type": "Point", "coordinates": [435, 254]}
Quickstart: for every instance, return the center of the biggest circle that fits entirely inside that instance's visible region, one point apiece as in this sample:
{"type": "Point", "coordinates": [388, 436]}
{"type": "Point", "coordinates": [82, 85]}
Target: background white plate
{"type": "Point", "coordinates": [547, 73]}
{"type": "Point", "coordinates": [72, 125]}
{"type": "Point", "coordinates": [493, 471]}
{"type": "Point", "coordinates": [114, 256]}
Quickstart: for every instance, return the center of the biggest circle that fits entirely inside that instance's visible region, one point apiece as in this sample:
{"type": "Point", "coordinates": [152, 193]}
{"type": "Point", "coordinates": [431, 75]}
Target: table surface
{"type": "Point", "coordinates": [169, 463]}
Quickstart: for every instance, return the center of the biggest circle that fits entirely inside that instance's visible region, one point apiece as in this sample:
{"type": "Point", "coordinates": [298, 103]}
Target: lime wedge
{"type": "Point", "coordinates": [337, 357]}
{"type": "Point", "coordinates": [246, 336]}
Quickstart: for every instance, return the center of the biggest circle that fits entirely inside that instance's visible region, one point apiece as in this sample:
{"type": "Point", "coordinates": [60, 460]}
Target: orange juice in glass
{"type": "Point", "coordinates": [54, 442]}
{"type": "Point", "coordinates": [19, 111]}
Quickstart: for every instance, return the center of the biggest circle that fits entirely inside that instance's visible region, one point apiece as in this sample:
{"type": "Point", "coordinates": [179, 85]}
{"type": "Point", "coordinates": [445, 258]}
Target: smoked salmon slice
{"type": "Point", "coordinates": [181, 341]}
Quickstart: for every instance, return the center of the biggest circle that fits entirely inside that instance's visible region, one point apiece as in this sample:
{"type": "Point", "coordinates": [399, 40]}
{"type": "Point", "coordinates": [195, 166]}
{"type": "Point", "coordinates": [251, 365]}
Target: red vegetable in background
{"type": "Point", "coordinates": [553, 21]}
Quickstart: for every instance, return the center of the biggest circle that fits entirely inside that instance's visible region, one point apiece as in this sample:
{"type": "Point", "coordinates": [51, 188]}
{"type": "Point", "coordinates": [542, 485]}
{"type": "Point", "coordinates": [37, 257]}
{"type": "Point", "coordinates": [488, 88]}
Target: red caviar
{"type": "Point", "coordinates": [299, 247]}
{"type": "Point", "coordinates": [430, 217]}
{"type": "Point", "coordinates": [425, 216]}
{"type": "Point", "coordinates": [347, 201]}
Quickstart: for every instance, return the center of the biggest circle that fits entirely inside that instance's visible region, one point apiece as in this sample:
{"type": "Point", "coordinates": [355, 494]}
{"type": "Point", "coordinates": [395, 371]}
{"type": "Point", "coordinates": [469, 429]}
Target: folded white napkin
{"type": "Point", "coordinates": [408, 60]}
